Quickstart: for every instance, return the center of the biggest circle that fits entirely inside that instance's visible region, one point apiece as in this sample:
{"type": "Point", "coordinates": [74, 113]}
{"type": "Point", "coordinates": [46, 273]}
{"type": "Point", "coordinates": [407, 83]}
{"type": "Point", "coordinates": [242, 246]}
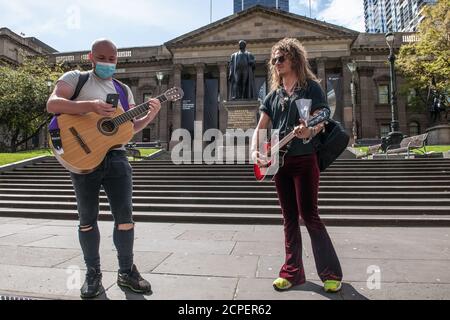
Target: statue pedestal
{"type": "Point", "coordinates": [242, 114]}
{"type": "Point", "coordinates": [439, 135]}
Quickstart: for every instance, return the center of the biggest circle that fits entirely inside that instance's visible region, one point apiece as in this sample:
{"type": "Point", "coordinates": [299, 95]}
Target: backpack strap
{"type": "Point", "coordinates": [122, 90]}
{"type": "Point", "coordinates": [84, 77]}
{"type": "Point", "coordinates": [53, 128]}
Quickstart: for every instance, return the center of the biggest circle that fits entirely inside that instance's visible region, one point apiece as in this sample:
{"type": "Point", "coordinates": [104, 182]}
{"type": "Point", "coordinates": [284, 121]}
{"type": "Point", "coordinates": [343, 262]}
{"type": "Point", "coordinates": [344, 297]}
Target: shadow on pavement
{"type": "Point", "coordinates": [348, 292]}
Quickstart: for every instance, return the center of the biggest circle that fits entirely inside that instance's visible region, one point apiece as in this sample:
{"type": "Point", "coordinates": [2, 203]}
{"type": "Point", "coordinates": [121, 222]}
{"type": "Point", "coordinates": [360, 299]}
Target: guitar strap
{"type": "Point", "coordinates": [53, 127]}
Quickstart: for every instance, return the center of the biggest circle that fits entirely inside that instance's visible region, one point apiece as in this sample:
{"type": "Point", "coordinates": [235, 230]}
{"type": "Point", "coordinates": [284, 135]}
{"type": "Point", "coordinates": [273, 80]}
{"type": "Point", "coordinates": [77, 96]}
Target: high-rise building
{"type": "Point", "coordinates": [240, 5]}
{"type": "Point", "coordinates": [394, 15]}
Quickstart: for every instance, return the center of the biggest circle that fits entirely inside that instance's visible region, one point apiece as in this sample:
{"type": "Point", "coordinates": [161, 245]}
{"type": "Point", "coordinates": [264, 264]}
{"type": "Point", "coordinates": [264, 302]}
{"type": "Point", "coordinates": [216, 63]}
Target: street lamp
{"type": "Point", "coordinates": [49, 84]}
{"type": "Point", "coordinates": [160, 77]}
{"type": "Point", "coordinates": [394, 137]}
{"type": "Point", "coordinates": [352, 66]}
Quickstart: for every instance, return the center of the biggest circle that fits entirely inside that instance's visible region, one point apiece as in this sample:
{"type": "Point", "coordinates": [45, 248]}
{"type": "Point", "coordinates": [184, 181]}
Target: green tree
{"type": "Point", "coordinates": [426, 63]}
{"type": "Point", "coordinates": [23, 96]}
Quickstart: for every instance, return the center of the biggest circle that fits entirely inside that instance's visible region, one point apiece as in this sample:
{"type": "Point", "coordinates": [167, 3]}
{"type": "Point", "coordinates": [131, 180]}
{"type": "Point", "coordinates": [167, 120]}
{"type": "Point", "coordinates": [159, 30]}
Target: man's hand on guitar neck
{"type": "Point", "coordinates": [154, 108]}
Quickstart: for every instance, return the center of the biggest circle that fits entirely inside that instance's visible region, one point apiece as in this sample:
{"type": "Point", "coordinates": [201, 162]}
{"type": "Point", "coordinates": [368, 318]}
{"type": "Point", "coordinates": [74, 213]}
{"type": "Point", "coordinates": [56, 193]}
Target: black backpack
{"type": "Point", "coordinates": [330, 143]}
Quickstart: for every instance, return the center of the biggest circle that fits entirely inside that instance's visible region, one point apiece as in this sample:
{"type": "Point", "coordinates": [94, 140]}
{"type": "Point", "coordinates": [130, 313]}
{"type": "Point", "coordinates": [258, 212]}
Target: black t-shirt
{"type": "Point", "coordinates": [273, 107]}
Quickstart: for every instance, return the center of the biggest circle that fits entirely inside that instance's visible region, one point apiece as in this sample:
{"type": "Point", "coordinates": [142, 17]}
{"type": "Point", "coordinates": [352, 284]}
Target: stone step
{"type": "Point", "coordinates": [150, 165]}
{"type": "Point", "coordinates": [338, 161]}
{"type": "Point", "coordinates": [243, 209]}
{"type": "Point", "coordinates": [273, 219]}
{"type": "Point", "coordinates": [444, 184]}
{"type": "Point", "coordinates": [239, 194]}
{"type": "Point", "coordinates": [238, 188]}
{"type": "Point", "coordinates": [236, 178]}
{"type": "Point", "coordinates": [190, 173]}
{"type": "Point", "coordinates": [232, 201]}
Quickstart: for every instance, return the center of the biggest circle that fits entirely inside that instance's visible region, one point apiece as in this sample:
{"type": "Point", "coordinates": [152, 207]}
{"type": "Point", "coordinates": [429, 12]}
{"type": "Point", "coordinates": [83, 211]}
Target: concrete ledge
{"type": "Point", "coordinates": [23, 163]}
{"type": "Point", "coordinates": [155, 155]}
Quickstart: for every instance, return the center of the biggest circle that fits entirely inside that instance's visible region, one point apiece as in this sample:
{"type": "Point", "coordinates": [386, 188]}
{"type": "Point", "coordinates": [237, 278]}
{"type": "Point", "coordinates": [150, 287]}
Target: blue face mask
{"type": "Point", "coordinates": [105, 70]}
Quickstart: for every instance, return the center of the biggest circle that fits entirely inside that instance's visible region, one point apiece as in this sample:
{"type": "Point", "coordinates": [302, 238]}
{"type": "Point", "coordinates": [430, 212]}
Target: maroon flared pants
{"type": "Point", "coordinates": [297, 184]}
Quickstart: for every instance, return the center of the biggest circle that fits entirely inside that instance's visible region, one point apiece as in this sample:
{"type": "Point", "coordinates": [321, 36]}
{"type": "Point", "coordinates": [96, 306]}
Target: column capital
{"type": "Point", "coordinates": [200, 67]}
{"type": "Point", "coordinates": [177, 67]}
{"type": "Point", "coordinates": [223, 66]}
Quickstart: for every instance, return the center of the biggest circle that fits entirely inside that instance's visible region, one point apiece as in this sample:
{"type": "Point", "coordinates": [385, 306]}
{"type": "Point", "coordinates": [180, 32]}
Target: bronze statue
{"type": "Point", "coordinates": [242, 74]}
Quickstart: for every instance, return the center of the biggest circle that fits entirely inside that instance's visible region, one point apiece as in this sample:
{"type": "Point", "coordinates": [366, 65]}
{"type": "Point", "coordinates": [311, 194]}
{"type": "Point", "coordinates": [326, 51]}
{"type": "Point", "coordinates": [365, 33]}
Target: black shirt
{"type": "Point", "coordinates": [273, 107]}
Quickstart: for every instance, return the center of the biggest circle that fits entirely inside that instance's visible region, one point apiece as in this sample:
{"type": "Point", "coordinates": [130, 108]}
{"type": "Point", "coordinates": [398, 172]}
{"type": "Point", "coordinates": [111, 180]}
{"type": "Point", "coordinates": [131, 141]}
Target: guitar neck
{"type": "Point", "coordinates": [283, 142]}
{"type": "Point", "coordinates": [137, 111]}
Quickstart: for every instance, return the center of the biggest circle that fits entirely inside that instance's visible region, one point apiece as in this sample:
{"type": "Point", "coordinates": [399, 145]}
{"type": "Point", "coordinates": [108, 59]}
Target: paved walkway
{"type": "Point", "coordinates": [41, 258]}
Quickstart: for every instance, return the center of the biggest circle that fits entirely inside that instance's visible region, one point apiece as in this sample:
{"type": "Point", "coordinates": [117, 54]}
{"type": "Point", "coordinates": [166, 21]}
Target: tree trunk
{"type": "Point", "coordinates": [14, 137]}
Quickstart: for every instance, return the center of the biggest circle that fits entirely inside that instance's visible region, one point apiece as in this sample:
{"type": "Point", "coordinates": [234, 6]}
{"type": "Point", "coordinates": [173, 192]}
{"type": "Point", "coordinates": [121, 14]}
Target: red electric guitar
{"type": "Point", "coordinates": [273, 157]}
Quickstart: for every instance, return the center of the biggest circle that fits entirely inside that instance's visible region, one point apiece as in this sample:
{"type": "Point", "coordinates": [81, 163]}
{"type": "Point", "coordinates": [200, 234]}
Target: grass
{"type": "Point", "coordinates": [6, 158]}
{"type": "Point", "coordinates": [434, 149]}
{"type": "Point", "coordinates": [148, 151]}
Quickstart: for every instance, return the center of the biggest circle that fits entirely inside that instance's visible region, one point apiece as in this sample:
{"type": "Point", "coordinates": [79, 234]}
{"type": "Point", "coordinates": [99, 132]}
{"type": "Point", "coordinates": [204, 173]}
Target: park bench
{"type": "Point", "coordinates": [409, 143]}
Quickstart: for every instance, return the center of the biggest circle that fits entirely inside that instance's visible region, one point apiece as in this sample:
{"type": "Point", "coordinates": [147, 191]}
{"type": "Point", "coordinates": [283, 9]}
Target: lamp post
{"type": "Point", "coordinates": [49, 83]}
{"type": "Point", "coordinates": [394, 137]}
{"type": "Point", "coordinates": [352, 67]}
{"type": "Point", "coordinates": [160, 77]}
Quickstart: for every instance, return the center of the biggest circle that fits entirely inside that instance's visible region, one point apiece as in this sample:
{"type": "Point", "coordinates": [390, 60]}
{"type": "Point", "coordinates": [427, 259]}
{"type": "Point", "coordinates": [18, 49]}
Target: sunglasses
{"type": "Point", "coordinates": [279, 59]}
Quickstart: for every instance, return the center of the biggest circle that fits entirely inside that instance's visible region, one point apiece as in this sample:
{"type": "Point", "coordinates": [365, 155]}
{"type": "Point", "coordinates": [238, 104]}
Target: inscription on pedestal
{"type": "Point", "coordinates": [242, 114]}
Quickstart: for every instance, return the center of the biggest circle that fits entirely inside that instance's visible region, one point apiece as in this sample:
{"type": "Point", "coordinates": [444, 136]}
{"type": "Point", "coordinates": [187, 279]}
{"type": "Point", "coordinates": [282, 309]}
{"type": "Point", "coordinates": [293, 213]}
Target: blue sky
{"type": "Point", "coordinates": [73, 25]}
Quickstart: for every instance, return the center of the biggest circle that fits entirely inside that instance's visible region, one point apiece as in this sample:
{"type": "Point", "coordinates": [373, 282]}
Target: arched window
{"type": "Point", "coordinates": [414, 128]}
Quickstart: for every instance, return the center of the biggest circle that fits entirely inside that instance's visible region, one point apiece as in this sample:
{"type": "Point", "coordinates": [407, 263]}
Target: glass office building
{"type": "Point", "coordinates": [393, 15]}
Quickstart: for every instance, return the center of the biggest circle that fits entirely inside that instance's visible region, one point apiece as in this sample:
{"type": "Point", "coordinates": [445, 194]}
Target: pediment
{"type": "Point", "coordinates": [260, 23]}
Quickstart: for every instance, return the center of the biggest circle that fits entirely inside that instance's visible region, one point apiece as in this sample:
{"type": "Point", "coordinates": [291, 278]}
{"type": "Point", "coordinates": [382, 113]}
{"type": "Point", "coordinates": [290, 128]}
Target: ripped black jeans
{"type": "Point", "coordinates": [115, 176]}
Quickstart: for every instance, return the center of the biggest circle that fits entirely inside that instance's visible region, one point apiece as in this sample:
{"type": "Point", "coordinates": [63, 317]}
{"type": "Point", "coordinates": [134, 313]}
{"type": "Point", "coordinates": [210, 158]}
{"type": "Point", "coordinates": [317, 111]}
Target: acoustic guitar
{"type": "Point", "coordinates": [87, 138]}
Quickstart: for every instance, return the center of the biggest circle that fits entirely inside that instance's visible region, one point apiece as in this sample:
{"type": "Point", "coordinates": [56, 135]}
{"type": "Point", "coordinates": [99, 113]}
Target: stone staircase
{"type": "Point", "coordinates": [413, 192]}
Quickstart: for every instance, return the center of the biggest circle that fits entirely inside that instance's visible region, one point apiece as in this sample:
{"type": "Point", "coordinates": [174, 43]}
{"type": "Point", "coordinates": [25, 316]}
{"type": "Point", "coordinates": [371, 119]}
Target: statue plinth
{"type": "Point", "coordinates": [439, 134]}
{"type": "Point", "coordinates": [242, 114]}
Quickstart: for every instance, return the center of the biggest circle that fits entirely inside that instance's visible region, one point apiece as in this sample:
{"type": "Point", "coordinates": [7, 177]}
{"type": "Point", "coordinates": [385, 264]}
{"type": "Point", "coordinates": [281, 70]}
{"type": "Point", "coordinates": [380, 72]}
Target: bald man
{"type": "Point", "coordinates": [114, 174]}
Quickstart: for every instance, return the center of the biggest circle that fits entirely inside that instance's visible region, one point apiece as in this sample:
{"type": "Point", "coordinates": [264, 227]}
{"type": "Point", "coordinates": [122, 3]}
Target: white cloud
{"type": "Point", "coordinates": [346, 13]}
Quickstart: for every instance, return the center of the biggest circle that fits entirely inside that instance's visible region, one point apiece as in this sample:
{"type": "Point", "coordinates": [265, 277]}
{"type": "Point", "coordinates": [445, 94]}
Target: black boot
{"type": "Point", "coordinates": [133, 281]}
{"type": "Point", "coordinates": [92, 286]}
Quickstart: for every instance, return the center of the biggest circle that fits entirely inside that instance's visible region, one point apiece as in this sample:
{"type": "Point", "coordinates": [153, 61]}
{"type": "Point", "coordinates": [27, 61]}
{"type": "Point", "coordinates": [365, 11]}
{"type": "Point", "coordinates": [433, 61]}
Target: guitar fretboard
{"type": "Point", "coordinates": [283, 142]}
{"type": "Point", "coordinates": [135, 112]}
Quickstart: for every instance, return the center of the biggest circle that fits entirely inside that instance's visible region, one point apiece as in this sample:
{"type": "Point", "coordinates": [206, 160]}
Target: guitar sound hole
{"type": "Point", "coordinates": [107, 127]}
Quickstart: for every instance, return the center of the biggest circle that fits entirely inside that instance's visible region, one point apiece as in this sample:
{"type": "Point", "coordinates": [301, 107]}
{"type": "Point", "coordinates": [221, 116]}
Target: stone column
{"type": "Point", "coordinates": [223, 84]}
{"type": "Point", "coordinates": [175, 120]}
{"type": "Point", "coordinates": [321, 73]}
{"type": "Point", "coordinates": [368, 125]}
{"type": "Point", "coordinates": [348, 106]}
{"type": "Point", "coordinates": [200, 94]}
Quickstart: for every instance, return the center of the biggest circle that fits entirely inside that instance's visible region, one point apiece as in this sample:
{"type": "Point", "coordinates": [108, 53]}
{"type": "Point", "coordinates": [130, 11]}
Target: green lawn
{"type": "Point", "coordinates": [148, 151]}
{"type": "Point", "coordinates": [418, 151]}
{"type": "Point", "coordinates": [6, 158]}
